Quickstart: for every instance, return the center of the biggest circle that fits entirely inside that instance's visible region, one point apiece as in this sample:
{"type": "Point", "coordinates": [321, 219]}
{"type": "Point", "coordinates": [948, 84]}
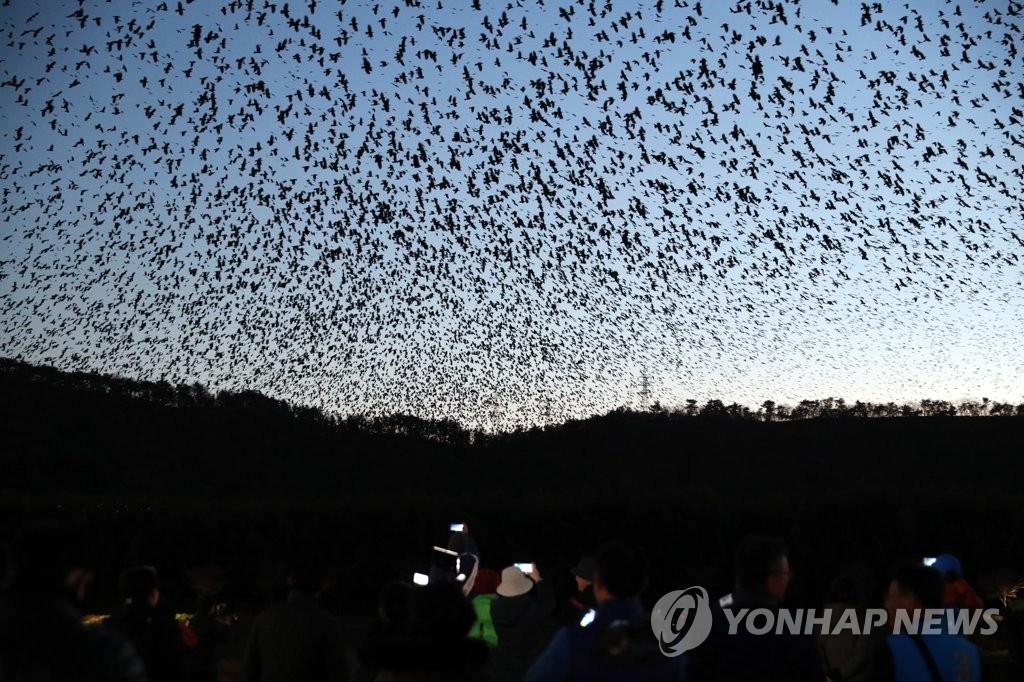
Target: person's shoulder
{"type": "Point", "coordinates": [165, 619]}
{"type": "Point", "coordinates": [509, 606]}
{"type": "Point", "coordinates": [268, 615]}
{"type": "Point", "coordinates": [109, 655]}
{"type": "Point", "coordinates": [565, 638]}
{"type": "Point", "coordinates": [289, 611]}
{"type": "Point", "coordinates": [482, 598]}
{"type": "Point", "coordinates": [123, 622]}
{"type": "Point", "coordinates": [719, 620]}
{"type": "Point", "coordinates": [409, 653]}
{"type": "Point", "coordinates": [960, 643]}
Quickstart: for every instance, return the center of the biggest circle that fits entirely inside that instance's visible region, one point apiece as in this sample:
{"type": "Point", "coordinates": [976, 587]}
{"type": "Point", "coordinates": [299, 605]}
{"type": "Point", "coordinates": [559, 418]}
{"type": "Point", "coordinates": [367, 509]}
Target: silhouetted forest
{"type": "Point", "coordinates": [77, 433]}
{"type": "Point", "coordinates": [180, 477]}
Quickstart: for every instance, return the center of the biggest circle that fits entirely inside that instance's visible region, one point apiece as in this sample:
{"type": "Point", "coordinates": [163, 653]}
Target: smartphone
{"type": "Point", "coordinates": [725, 601]}
{"type": "Point", "coordinates": [457, 527]}
{"type": "Point", "coordinates": [588, 618]}
{"type": "Point", "coordinates": [420, 579]}
{"type": "Point", "coordinates": [525, 568]}
{"type": "Point", "coordinates": [929, 560]}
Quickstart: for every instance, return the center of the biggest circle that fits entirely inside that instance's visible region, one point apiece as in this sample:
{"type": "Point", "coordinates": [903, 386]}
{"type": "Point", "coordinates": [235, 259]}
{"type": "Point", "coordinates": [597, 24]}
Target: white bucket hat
{"type": "Point", "coordinates": [514, 583]}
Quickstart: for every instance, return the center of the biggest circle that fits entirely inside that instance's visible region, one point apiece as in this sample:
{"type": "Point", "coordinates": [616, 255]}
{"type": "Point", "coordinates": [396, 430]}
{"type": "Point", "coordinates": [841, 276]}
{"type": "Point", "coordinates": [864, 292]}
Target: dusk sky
{"type": "Point", "coordinates": [513, 212]}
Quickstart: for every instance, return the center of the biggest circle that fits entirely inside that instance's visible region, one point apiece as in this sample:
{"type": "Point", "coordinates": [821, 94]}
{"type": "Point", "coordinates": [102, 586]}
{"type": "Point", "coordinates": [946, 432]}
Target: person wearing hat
{"type": "Point", "coordinates": [618, 645]}
{"type": "Point", "coordinates": [522, 620]}
{"type": "Point", "coordinates": [958, 592]}
{"type": "Point", "coordinates": [583, 601]}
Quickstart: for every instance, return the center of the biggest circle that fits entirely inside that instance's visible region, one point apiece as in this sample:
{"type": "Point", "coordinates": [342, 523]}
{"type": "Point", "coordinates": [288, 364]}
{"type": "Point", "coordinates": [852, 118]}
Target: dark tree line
{"type": "Point", "coordinates": [76, 433]}
{"type": "Point", "coordinates": [70, 386]}
{"type": "Point", "coordinates": [837, 408]}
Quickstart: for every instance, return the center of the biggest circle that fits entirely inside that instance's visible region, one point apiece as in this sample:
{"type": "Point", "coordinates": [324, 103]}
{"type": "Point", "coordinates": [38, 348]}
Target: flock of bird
{"type": "Point", "coordinates": [510, 212]}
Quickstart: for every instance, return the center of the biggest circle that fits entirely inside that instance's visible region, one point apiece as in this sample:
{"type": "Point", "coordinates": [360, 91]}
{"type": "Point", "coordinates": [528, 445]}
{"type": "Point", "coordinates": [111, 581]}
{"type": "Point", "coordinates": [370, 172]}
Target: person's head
{"type": "Point", "coordinates": [514, 583]}
{"type": "Point", "coordinates": [141, 584]}
{"type": "Point", "coordinates": [440, 610]}
{"type": "Point", "coordinates": [620, 572]}
{"type": "Point", "coordinates": [49, 557]}
{"type": "Point", "coordinates": [762, 567]}
{"type": "Point", "coordinates": [487, 581]}
{"type": "Point", "coordinates": [845, 589]}
{"type": "Point", "coordinates": [460, 542]}
{"type": "Point", "coordinates": [306, 574]}
{"type": "Point", "coordinates": [393, 602]}
{"type": "Point", "coordinates": [913, 586]}
{"type": "Point", "coordinates": [949, 566]}
{"type": "Point", "coordinates": [205, 605]}
{"type": "Point", "coordinates": [584, 573]}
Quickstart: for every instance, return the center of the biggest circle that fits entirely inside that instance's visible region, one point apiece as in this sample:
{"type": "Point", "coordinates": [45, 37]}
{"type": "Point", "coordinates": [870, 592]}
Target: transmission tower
{"type": "Point", "coordinates": [547, 414]}
{"type": "Point", "coordinates": [645, 392]}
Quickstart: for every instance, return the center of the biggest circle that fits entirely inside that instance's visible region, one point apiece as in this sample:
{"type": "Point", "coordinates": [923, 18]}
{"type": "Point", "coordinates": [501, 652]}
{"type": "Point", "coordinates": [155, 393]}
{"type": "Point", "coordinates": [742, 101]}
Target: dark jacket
{"type": "Point", "coordinates": [848, 657]}
{"type": "Point", "coordinates": [417, 658]}
{"type": "Point", "coordinates": [619, 646]}
{"type": "Point", "coordinates": [156, 636]}
{"type": "Point", "coordinates": [744, 657]}
{"type": "Point", "coordinates": [524, 626]}
{"type": "Point", "coordinates": [295, 641]}
{"type": "Point", "coordinates": [370, 651]}
{"type": "Point", "coordinates": [42, 638]}
{"type": "Point", "coordinates": [201, 659]}
{"type": "Point", "coordinates": [577, 606]}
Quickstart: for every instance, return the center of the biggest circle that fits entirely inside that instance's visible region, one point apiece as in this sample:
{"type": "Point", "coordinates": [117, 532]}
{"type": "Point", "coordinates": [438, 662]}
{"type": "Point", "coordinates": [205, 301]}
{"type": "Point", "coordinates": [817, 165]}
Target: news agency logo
{"type": "Point", "coordinates": [762, 621]}
{"type": "Point", "coordinates": [681, 620]}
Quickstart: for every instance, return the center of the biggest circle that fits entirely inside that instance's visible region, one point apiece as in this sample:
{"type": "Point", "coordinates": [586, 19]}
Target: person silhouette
{"type": "Point", "coordinates": [42, 636]}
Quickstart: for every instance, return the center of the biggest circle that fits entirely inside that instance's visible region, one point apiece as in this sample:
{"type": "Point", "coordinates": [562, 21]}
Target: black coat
{"type": "Point", "coordinates": [293, 641]}
{"type": "Point", "coordinates": [42, 638]}
{"type": "Point", "coordinates": [744, 657]}
{"type": "Point", "coordinates": [524, 626]}
{"type": "Point", "coordinates": [156, 636]}
{"type": "Point", "coordinates": [405, 657]}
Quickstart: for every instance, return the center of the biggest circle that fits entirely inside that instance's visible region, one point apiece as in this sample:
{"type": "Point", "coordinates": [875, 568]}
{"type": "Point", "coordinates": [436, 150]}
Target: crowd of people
{"type": "Point", "coordinates": [465, 621]}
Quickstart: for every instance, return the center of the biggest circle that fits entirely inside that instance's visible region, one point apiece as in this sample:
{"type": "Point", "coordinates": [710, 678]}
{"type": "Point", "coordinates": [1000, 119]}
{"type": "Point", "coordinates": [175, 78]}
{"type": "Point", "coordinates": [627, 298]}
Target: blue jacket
{"type": "Point", "coordinates": [900, 660]}
{"type": "Point", "coordinates": [618, 646]}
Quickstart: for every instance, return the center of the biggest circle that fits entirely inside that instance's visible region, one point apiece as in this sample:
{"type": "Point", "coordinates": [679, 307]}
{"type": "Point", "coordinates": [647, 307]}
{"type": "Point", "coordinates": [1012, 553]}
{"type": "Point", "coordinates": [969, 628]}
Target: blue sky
{"type": "Point", "coordinates": [456, 215]}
